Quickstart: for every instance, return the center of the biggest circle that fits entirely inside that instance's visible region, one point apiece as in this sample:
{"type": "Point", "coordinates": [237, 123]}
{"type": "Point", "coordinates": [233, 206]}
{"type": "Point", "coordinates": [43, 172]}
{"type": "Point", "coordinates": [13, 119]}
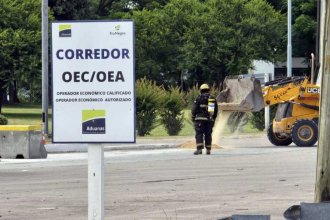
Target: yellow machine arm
{"type": "Point", "coordinates": [247, 95]}
{"type": "Point", "coordinates": [284, 91]}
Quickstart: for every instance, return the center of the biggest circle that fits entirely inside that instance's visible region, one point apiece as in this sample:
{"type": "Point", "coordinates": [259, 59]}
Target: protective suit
{"type": "Point", "coordinates": [204, 113]}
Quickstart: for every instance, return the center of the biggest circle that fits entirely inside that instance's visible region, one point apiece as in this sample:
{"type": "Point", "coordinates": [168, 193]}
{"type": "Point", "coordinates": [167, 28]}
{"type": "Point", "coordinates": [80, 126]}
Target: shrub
{"type": "Point", "coordinates": [3, 120]}
{"type": "Point", "coordinates": [194, 92]}
{"type": "Point", "coordinates": [236, 121]}
{"type": "Point", "coordinates": [148, 100]}
{"type": "Point", "coordinates": [258, 118]}
{"type": "Point", "coordinates": [172, 111]}
{"type": "Point", "coordinates": [191, 96]}
{"type": "Point", "coordinates": [214, 90]}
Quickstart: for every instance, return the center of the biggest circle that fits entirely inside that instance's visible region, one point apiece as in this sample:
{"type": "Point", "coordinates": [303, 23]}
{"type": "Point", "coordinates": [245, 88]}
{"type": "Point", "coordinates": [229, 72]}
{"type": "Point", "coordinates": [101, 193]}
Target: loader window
{"type": "Point", "coordinates": [284, 110]}
{"type": "Point", "coordinates": [289, 110]}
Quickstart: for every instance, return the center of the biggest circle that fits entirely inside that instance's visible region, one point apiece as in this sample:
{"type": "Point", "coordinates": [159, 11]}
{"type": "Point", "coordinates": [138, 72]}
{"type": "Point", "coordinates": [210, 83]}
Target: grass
{"type": "Point", "coordinates": [188, 128]}
{"type": "Point", "coordinates": [27, 114]}
{"type": "Point", "coordinates": [248, 128]}
{"type": "Point", "coordinates": [24, 114]}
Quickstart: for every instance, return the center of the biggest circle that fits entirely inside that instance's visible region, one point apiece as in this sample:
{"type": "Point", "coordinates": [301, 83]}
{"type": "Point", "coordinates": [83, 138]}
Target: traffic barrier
{"type": "Point", "coordinates": [311, 211]}
{"type": "Point", "coordinates": [21, 141]}
{"type": "Point", "coordinates": [308, 211]}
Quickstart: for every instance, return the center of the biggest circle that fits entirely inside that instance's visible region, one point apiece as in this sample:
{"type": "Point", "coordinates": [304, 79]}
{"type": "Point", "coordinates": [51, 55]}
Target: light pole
{"type": "Point", "coordinates": [289, 49]}
{"type": "Point", "coordinates": [44, 21]}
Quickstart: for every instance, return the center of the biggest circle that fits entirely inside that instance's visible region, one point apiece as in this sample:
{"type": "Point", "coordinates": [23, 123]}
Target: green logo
{"type": "Point", "coordinates": [117, 27]}
{"type": "Point", "coordinates": [93, 121]}
{"type": "Point", "coordinates": [65, 30]}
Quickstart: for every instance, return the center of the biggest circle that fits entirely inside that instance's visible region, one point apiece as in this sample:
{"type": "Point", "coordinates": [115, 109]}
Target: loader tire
{"type": "Point", "coordinates": [304, 133]}
{"type": "Point", "coordinates": [277, 140]}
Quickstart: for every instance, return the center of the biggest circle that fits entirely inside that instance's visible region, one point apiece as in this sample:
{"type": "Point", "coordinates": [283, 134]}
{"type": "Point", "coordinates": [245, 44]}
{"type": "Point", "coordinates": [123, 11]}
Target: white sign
{"type": "Point", "coordinates": [93, 82]}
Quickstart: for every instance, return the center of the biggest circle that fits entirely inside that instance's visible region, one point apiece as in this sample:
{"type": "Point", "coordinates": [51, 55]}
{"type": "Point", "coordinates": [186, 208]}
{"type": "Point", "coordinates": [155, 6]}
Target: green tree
{"type": "Point", "coordinates": [209, 39]}
{"type": "Point", "coordinates": [279, 5]}
{"type": "Point", "coordinates": [304, 25]}
{"type": "Point", "coordinates": [234, 33]}
{"type": "Point", "coordinates": [72, 10]}
{"type": "Point", "coordinates": [159, 41]}
{"type": "Point", "coordinates": [20, 44]}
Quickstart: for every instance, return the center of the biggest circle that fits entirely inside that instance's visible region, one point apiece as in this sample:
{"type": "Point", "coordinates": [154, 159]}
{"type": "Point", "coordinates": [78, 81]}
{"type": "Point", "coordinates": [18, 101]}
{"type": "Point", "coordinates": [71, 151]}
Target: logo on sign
{"type": "Point", "coordinates": [65, 30]}
{"type": "Point", "coordinates": [117, 31]}
{"type": "Point", "coordinates": [93, 121]}
{"type": "Point", "coordinates": [314, 90]}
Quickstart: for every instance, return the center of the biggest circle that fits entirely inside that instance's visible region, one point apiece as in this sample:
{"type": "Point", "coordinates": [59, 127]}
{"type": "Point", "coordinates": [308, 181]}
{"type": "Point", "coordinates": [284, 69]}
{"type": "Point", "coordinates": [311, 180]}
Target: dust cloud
{"type": "Point", "coordinates": [217, 134]}
{"type": "Point", "coordinates": [219, 127]}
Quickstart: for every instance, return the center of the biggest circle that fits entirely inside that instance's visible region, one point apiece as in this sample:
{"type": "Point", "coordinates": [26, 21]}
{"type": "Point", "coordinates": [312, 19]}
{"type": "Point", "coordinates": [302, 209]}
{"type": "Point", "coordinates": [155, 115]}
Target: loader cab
{"type": "Point", "coordinates": [283, 119]}
{"type": "Point", "coordinates": [284, 110]}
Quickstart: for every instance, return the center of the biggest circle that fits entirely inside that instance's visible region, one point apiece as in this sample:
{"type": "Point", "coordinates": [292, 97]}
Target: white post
{"type": "Point", "coordinates": [267, 111]}
{"type": "Point", "coordinates": [95, 182]}
{"type": "Point", "coordinates": [289, 49]}
{"type": "Point", "coordinates": [44, 54]}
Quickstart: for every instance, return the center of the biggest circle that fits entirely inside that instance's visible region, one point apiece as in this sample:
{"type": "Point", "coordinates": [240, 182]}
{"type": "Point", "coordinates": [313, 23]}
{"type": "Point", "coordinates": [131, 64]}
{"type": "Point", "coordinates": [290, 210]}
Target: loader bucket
{"type": "Point", "coordinates": [241, 95]}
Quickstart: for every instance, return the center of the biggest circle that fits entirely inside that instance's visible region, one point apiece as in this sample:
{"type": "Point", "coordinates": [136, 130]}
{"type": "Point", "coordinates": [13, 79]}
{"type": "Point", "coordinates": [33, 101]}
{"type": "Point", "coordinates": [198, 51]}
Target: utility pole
{"type": "Point", "coordinates": [289, 48]}
{"type": "Point", "coordinates": [318, 36]}
{"type": "Point", "coordinates": [322, 187]}
{"type": "Point", "coordinates": [44, 54]}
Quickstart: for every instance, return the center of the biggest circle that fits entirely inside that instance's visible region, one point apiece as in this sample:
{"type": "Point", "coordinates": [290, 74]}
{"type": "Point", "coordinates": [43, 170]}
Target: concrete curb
{"type": "Point", "coordinates": [67, 148]}
{"type": "Point", "coordinates": [142, 144]}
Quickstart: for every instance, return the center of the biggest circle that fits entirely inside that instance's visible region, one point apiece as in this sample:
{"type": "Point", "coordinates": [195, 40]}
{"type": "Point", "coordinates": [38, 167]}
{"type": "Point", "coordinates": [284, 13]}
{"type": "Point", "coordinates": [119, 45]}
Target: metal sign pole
{"type": "Point", "coordinates": [44, 12]}
{"type": "Point", "coordinates": [95, 182]}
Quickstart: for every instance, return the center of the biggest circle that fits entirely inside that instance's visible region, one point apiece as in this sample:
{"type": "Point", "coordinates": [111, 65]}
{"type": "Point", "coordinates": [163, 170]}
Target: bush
{"type": "Point", "coordinates": [194, 92]}
{"type": "Point", "coordinates": [214, 90]}
{"type": "Point", "coordinates": [148, 100]}
{"type": "Point", "coordinates": [172, 111]}
{"type": "Point", "coordinates": [236, 121]}
{"type": "Point", "coordinates": [3, 120]}
{"type": "Point", "coordinates": [258, 118]}
{"type": "Point", "coordinates": [191, 96]}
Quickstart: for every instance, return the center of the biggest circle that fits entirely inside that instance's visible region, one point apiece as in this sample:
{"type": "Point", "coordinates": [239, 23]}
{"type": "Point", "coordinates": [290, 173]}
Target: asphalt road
{"type": "Point", "coordinates": [246, 176]}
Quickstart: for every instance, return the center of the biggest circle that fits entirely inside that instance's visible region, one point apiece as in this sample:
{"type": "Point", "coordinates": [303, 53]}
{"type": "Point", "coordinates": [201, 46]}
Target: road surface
{"type": "Point", "coordinates": [246, 176]}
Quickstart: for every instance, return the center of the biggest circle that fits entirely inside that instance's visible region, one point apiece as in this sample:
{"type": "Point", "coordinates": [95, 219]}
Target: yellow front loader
{"type": "Point", "coordinates": [297, 103]}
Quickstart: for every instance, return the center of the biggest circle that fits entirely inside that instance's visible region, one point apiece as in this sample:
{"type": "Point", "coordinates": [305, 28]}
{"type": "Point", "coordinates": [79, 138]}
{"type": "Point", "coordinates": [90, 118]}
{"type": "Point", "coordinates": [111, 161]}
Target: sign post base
{"type": "Point", "coordinates": [95, 182]}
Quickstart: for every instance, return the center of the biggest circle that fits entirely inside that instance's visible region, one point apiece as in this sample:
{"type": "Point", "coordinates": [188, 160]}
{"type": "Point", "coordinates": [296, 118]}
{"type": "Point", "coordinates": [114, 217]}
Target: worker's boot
{"type": "Point", "coordinates": [208, 151]}
{"type": "Point", "coordinates": [198, 151]}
